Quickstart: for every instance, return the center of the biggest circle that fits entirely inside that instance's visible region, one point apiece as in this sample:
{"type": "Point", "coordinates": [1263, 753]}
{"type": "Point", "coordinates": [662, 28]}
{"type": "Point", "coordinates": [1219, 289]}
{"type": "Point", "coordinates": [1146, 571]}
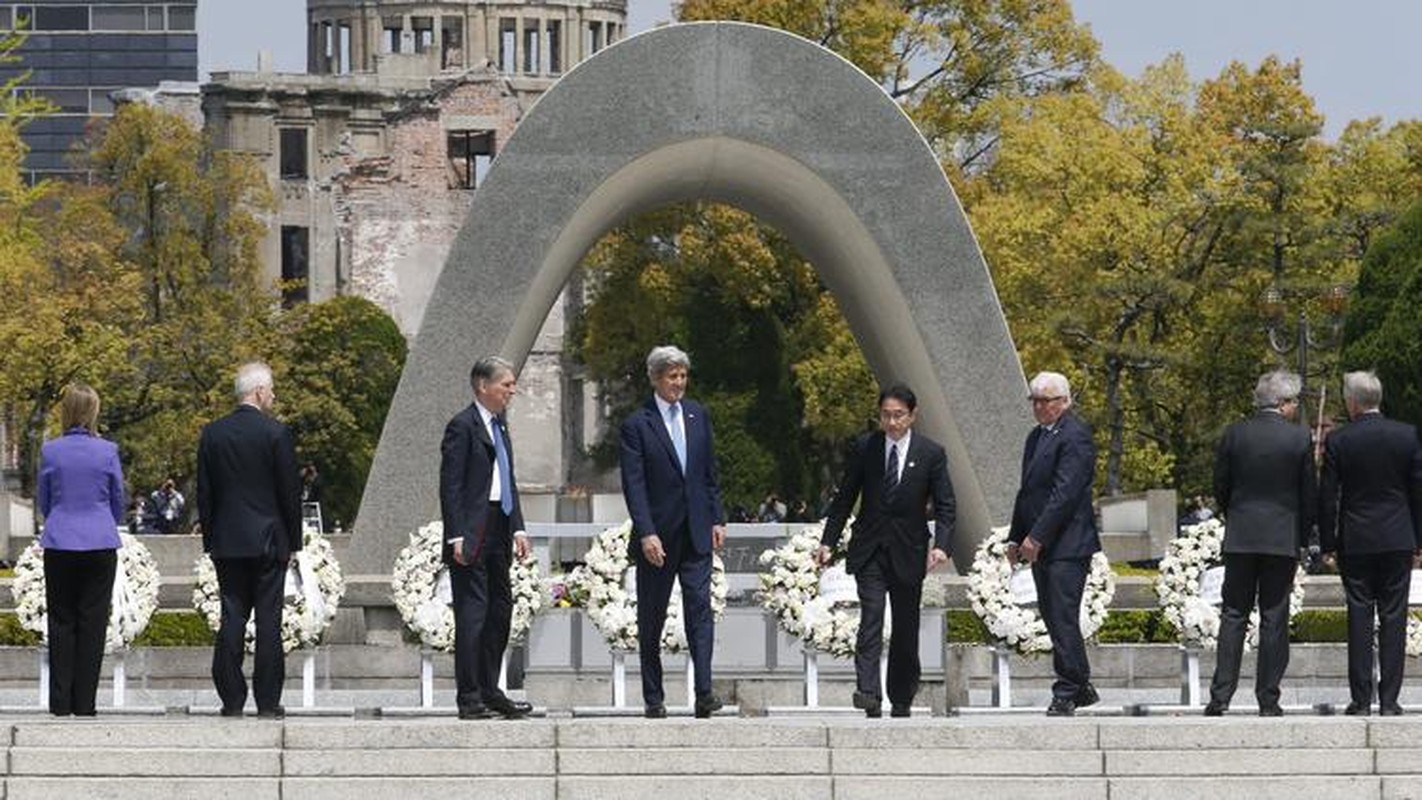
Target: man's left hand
{"type": "Point", "coordinates": [522, 548]}
{"type": "Point", "coordinates": [936, 558]}
{"type": "Point", "coordinates": [718, 536]}
{"type": "Point", "coordinates": [1031, 549]}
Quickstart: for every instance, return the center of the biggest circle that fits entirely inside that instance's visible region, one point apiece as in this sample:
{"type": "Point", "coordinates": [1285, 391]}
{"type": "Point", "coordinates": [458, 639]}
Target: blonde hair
{"type": "Point", "coordinates": [79, 408]}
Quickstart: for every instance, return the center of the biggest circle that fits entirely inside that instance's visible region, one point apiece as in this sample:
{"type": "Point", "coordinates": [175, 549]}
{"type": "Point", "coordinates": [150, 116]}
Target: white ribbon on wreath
{"type": "Point", "coordinates": [606, 576]}
{"type": "Point", "coordinates": [420, 589]}
{"type": "Point", "coordinates": [996, 592]}
{"type": "Point", "coordinates": [131, 606]}
{"type": "Point", "coordinates": [1197, 548]}
{"type": "Point", "coordinates": [313, 592]}
{"type": "Point", "coordinates": [790, 590]}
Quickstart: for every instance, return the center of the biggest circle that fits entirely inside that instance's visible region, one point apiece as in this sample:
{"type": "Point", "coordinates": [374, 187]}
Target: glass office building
{"type": "Point", "coordinates": [78, 51]}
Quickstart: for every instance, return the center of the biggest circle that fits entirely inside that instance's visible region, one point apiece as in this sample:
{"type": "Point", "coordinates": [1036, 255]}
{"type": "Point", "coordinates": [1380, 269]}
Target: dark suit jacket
{"type": "Point", "coordinates": [1053, 504]}
{"type": "Point", "coordinates": [466, 472]}
{"type": "Point", "coordinates": [660, 499]}
{"type": "Point", "coordinates": [248, 487]}
{"type": "Point", "coordinates": [1372, 488]}
{"type": "Point", "coordinates": [1265, 485]}
{"type": "Point", "coordinates": [901, 524]}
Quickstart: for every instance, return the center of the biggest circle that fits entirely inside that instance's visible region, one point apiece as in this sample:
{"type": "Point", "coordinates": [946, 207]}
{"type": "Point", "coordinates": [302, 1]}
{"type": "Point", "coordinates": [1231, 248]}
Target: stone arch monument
{"type": "Point", "coordinates": [760, 119]}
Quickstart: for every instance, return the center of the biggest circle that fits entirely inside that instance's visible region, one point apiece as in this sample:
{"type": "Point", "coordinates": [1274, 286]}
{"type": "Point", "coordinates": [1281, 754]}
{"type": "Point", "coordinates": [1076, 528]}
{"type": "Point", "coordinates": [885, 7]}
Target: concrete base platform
{"type": "Point", "coordinates": [825, 758]}
{"type": "Point", "coordinates": [594, 712]}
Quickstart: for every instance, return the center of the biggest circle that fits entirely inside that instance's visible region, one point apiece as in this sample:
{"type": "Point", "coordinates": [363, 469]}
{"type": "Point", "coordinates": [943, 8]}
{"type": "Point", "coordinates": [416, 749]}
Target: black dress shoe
{"type": "Point", "coordinates": [656, 711]}
{"type": "Point", "coordinates": [1215, 708]}
{"type": "Point", "coordinates": [865, 701]}
{"type": "Point", "coordinates": [1061, 707]}
{"type": "Point", "coordinates": [231, 711]}
{"type": "Point", "coordinates": [900, 711]}
{"type": "Point", "coordinates": [1086, 696]}
{"type": "Point", "coordinates": [706, 705]}
{"type": "Point", "coordinates": [1271, 711]}
{"type": "Point", "coordinates": [510, 709]}
{"type": "Point", "coordinates": [1357, 710]}
{"type": "Point", "coordinates": [1391, 710]}
{"type": "Point", "coordinates": [479, 711]}
{"type": "Point", "coordinates": [275, 712]}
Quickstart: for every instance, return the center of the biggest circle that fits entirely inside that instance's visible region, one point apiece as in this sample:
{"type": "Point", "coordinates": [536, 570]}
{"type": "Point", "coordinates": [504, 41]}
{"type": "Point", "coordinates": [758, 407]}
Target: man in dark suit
{"type": "Point", "coordinates": [1265, 485]}
{"type": "Point", "coordinates": [1054, 529]}
{"type": "Point", "coordinates": [897, 473]}
{"type": "Point", "coordinates": [669, 483]}
{"type": "Point", "coordinates": [1370, 523]}
{"type": "Point", "coordinates": [483, 530]}
{"type": "Point", "coordinates": [249, 505]}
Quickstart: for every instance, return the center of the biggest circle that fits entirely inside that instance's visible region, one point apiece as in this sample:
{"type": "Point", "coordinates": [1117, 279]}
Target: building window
{"type": "Point", "coordinates": [7, 19]}
{"type": "Point", "coordinates": [61, 18]}
{"type": "Point", "coordinates": [470, 155]}
{"type": "Point", "coordinates": [69, 101]}
{"type": "Point", "coordinates": [120, 18]}
{"type": "Point", "coordinates": [295, 265]}
{"type": "Point", "coordinates": [155, 18]}
{"type": "Point", "coordinates": [390, 41]}
{"type": "Point", "coordinates": [508, 46]}
{"type": "Point", "coordinates": [424, 33]}
{"type": "Point", "coordinates": [293, 154]}
{"type": "Point", "coordinates": [555, 47]}
{"type": "Point", "coordinates": [451, 43]}
{"type": "Point", "coordinates": [530, 47]}
{"type": "Point", "coordinates": [594, 38]}
{"type": "Point", "coordinates": [182, 18]}
{"type": "Point", "coordinates": [343, 48]}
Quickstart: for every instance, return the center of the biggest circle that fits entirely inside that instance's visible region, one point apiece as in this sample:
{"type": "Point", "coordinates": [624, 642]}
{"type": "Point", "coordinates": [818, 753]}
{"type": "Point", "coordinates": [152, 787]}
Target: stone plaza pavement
{"type": "Point", "coordinates": [998, 756]}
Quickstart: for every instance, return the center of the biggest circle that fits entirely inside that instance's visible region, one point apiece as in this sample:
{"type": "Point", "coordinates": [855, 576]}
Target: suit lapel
{"type": "Point", "coordinates": [659, 430]}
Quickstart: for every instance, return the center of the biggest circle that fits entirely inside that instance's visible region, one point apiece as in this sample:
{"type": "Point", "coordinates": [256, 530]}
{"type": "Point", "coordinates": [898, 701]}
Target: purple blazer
{"type": "Point", "coordinates": [80, 492]}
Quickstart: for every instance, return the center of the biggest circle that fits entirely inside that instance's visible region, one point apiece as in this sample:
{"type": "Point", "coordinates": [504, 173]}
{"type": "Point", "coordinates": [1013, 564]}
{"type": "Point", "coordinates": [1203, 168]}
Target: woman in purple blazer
{"type": "Point", "coordinates": [80, 494]}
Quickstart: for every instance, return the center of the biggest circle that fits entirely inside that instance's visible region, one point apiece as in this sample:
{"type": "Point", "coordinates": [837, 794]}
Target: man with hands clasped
{"type": "Point", "coordinates": [894, 473]}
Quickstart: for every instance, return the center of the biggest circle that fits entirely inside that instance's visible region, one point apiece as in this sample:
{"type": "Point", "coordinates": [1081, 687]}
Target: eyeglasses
{"type": "Point", "coordinates": [1045, 400]}
{"type": "Point", "coordinates": [895, 416]}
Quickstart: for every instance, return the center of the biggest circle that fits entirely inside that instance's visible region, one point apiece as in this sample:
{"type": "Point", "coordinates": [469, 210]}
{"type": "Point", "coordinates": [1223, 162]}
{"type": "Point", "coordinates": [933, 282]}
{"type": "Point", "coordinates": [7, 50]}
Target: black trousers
{"type": "Point", "coordinates": [654, 588]}
{"type": "Point", "coordinates": [1269, 579]}
{"type": "Point", "coordinates": [1376, 584]}
{"type": "Point", "coordinates": [250, 587]}
{"type": "Point", "coordinates": [875, 580]}
{"type": "Point", "coordinates": [483, 609]}
{"type": "Point", "coordinates": [78, 585]}
{"type": "Point", "coordinates": [1060, 586]}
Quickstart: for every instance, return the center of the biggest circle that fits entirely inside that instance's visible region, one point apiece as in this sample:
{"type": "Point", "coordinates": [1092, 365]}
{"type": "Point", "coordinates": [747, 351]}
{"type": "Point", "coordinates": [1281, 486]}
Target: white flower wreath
{"type": "Point", "coordinates": [420, 574]}
{"type": "Point", "coordinates": [1018, 626]}
{"type": "Point", "coordinates": [135, 595]}
{"type": "Point", "coordinates": [309, 607]}
{"type": "Point", "coordinates": [1197, 548]}
{"type": "Point", "coordinates": [1414, 635]}
{"type": "Point", "coordinates": [613, 609]}
{"type": "Point", "coordinates": [790, 590]}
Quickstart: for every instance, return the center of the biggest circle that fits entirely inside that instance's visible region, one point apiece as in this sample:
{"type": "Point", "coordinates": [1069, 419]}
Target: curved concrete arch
{"type": "Point", "coordinates": [760, 119]}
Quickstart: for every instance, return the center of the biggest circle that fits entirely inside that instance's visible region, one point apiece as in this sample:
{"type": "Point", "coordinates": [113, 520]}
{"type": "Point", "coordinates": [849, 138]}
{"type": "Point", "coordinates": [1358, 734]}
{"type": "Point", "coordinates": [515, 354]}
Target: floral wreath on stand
{"type": "Point", "coordinates": [420, 589]}
{"type": "Point", "coordinates": [135, 595]}
{"type": "Point", "coordinates": [613, 609]}
{"type": "Point", "coordinates": [790, 590]}
{"type": "Point", "coordinates": [313, 594]}
{"type": "Point", "coordinates": [1196, 549]}
{"type": "Point", "coordinates": [1019, 626]}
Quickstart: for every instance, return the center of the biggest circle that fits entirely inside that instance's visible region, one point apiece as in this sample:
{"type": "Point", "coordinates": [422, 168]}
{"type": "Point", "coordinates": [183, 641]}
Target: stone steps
{"type": "Point", "coordinates": [1001, 756]}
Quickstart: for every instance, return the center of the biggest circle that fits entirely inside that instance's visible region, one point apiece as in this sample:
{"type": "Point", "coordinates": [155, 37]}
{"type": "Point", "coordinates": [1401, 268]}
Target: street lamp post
{"type": "Point", "coordinates": [1305, 337]}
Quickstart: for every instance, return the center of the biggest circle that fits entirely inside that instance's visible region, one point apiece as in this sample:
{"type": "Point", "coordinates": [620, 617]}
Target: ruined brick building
{"type": "Point", "coordinates": [374, 154]}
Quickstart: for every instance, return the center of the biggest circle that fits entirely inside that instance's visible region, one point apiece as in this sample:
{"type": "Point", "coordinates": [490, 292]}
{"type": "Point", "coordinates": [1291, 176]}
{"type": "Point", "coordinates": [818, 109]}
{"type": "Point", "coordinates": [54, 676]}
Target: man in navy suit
{"type": "Point", "coordinates": [1266, 486]}
{"type": "Point", "coordinates": [1054, 530]}
{"type": "Point", "coordinates": [669, 483]}
{"type": "Point", "coordinates": [1371, 522]}
{"type": "Point", "coordinates": [897, 473]}
{"type": "Point", "coordinates": [249, 505]}
{"type": "Point", "coordinates": [483, 530]}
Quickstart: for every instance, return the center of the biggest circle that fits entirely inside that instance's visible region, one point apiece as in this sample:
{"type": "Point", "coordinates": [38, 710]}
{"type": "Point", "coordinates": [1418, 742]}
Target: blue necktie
{"type": "Point", "coordinates": [501, 455]}
{"type": "Point", "coordinates": [678, 436]}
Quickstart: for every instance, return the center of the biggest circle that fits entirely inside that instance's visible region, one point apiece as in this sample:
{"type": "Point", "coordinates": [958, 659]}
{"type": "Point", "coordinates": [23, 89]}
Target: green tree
{"type": "Point", "coordinates": [190, 213]}
{"type": "Point", "coordinates": [1384, 331]}
{"type": "Point", "coordinates": [337, 377]}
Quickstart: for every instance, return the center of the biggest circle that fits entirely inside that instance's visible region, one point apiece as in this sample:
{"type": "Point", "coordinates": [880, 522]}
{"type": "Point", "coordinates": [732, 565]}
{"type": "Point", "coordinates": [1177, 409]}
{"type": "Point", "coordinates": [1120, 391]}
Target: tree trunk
{"type": "Point", "coordinates": [1116, 423]}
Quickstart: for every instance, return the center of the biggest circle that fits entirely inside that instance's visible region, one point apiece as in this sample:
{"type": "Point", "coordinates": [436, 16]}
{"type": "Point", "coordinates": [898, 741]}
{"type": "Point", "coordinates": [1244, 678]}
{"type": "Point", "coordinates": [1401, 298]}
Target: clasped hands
{"type": "Point", "coordinates": [1028, 551]}
{"type": "Point", "coordinates": [656, 554]}
{"type": "Point", "coordinates": [936, 558]}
